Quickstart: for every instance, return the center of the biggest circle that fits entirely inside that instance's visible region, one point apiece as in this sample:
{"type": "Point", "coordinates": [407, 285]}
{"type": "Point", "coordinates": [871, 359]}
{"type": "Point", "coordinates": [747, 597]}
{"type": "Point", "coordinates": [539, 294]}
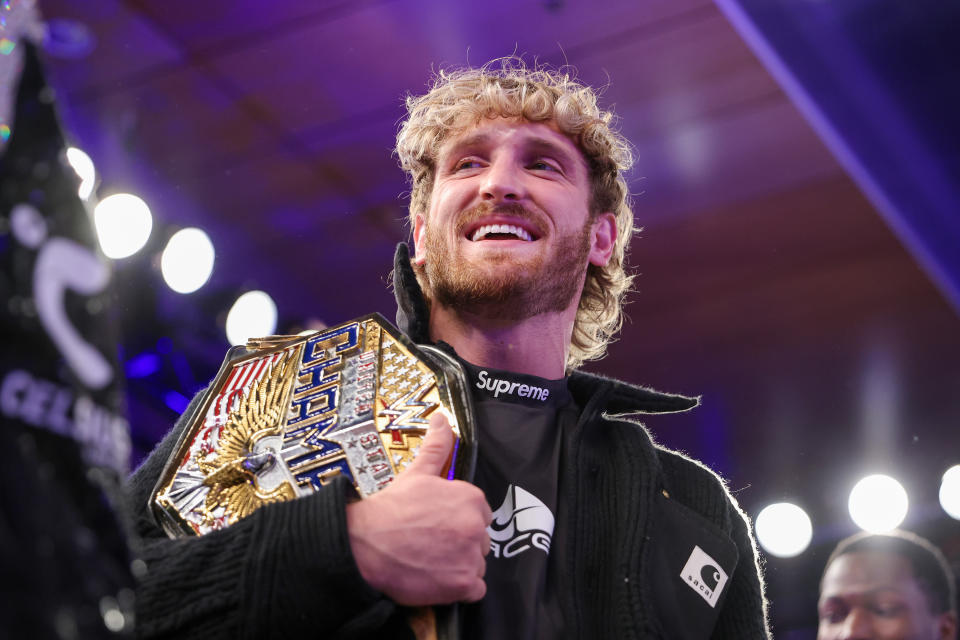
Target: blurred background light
{"type": "Point", "coordinates": [878, 503]}
{"type": "Point", "coordinates": [784, 530]}
{"type": "Point", "coordinates": [83, 165]}
{"type": "Point", "coordinates": [254, 314]}
{"type": "Point", "coordinates": [143, 365]}
{"type": "Point", "coordinates": [689, 149]}
{"type": "Point", "coordinates": [187, 261]}
{"type": "Point", "coordinates": [176, 401]}
{"type": "Point", "coordinates": [65, 38]}
{"type": "Point", "coordinates": [123, 223]}
{"type": "Point", "coordinates": [950, 492]}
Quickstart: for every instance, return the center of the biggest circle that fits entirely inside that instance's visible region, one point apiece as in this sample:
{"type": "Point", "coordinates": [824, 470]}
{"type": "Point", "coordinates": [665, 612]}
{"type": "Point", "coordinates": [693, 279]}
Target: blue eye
{"type": "Point", "coordinates": [543, 166]}
{"type": "Point", "coordinates": [467, 164]}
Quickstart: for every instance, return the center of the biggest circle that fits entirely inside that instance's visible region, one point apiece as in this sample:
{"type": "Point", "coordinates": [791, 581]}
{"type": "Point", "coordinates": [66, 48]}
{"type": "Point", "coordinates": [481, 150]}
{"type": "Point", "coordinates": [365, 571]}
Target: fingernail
{"type": "Point", "coordinates": [443, 411]}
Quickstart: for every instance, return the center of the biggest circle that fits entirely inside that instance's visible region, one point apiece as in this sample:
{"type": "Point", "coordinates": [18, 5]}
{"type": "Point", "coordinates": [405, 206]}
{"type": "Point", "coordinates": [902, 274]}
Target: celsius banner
{"type": "Point", "coordinates": [63, 440]}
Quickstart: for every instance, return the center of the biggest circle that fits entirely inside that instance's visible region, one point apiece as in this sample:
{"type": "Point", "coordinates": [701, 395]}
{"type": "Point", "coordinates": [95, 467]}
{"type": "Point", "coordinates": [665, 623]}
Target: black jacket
{"type": "Point", "coordinates": [637, 514]}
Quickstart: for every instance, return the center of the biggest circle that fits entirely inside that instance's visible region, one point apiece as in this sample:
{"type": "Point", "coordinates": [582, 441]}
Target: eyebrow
{"type": "Point", "coordinates": [863, 593]}
{"type": "Point", "coordinates": [478, 139]}
{"type": "Point", "coordinates": [549, 147]}
{"type": "Point", "coordinates": [472, 140]}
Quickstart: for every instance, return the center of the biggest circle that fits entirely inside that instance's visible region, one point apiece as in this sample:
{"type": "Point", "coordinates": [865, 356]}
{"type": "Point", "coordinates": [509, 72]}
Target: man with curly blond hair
{"type": "Point", "coordinates": [576, 525]}
{"type": "Point", "coordinates": [521, 222]}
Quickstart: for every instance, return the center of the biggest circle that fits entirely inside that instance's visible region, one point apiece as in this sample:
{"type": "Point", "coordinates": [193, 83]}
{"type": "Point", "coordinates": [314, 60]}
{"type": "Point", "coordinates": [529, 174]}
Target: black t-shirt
{"type": "Point", "coordinates": [521, 422]}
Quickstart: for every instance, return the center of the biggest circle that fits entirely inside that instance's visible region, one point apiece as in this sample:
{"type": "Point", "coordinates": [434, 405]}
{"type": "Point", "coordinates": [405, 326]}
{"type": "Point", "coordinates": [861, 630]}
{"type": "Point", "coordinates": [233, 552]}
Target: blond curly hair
{"type": "Point", "coordinates": [508, 88]}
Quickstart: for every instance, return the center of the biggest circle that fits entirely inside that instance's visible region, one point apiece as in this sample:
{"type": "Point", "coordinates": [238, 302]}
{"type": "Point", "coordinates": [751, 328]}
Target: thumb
{"type": "Point", "coordinates": [435, 448]}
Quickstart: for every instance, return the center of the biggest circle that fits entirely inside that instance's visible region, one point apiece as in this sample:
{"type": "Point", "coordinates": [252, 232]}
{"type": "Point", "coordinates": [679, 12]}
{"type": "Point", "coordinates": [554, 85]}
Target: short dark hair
{"type": "Point", "coordinates": [930, 568]}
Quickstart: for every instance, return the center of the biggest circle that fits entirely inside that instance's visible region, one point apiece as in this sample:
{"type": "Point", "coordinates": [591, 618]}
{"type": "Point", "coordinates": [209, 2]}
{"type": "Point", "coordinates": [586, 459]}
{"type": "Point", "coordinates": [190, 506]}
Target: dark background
{"type": "Point", "coordinates": [796, 264]}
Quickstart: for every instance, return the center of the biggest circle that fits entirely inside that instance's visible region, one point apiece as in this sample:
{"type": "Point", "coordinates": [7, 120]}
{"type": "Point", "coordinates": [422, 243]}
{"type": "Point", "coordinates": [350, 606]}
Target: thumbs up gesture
{"type": "Point", "coordinates": [423, 539]}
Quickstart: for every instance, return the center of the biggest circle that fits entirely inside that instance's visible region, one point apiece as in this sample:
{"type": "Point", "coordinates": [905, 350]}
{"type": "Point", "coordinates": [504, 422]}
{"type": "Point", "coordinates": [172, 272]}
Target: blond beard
{"type": "Point", "coordinates": [517, 290]}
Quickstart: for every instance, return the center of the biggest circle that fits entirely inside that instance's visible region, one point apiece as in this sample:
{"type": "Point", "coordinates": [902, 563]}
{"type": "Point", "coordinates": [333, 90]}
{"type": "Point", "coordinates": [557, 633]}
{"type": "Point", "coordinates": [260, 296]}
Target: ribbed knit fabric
{"type": "Point", "coordinates": [744, 614]}
{"type": "Point", "coordinates": [286, 571]}
{"type": "Point", "coordinates": [615, 471]}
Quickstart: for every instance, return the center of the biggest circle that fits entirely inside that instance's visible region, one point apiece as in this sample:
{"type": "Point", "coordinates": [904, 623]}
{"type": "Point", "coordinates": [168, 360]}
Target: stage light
{"type": "Point", "coordinates": [950, 492]}
{"type": "Point", "coordinates": [123, 223]}
{"type": "Point", "coordinates": [784, 530]}
{"type": "Point", "coordinates": [83, 165]}
{"type": "Point", "coordinates": [187, 261]}
{"type": "Point", "coordinates": [254, 314]}
{"type": "Point", "coordinates": [878, 503]}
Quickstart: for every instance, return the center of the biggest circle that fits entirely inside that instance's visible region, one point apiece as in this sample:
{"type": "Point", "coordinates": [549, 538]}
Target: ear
{"type": "Point", "coordinates": [947, 626]}
{"type": "Point", "coordinates": [603, 237]}
{"type": "Point", "coordinates": [419, 228]}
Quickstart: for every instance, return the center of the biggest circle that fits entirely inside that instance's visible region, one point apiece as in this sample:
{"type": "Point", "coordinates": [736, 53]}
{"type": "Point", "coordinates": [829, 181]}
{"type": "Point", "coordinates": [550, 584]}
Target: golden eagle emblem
{"type": "Point", "coordinates": [248, 450]}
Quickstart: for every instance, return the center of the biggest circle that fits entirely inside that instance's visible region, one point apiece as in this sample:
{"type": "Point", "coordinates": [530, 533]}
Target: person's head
{"type": "Point", "coordinates": [497, 99]}
{"type": "Point", "coordinates": [894, 586]}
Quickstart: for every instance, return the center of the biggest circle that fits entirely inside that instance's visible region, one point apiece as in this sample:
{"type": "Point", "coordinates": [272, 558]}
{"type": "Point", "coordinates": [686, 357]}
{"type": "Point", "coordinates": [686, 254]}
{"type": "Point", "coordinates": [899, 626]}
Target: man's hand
{"type": "Point", "coordinates": [423, 539]}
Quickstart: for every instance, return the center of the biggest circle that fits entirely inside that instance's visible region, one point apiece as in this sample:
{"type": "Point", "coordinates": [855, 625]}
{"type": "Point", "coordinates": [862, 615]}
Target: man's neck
{"type": "Point", "coordinates": [536, 346]}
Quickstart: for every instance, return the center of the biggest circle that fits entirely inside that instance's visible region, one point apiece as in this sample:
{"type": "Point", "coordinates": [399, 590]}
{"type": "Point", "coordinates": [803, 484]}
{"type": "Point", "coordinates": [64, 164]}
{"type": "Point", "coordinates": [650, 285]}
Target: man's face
{"type": "Point", "coordinates": [874, 595]}
{"type": "Point", "coordinates": [508, 233]}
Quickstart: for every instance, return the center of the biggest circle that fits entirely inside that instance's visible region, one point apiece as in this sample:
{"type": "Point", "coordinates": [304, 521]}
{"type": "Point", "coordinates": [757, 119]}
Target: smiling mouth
{"type": "Point", "coordinates": [501, 232]}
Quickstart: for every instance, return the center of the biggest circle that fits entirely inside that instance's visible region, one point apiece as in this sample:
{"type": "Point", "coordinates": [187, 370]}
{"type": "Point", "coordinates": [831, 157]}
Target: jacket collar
{"type": "Point", "coordinates": [413, 314]}
{"type": "Point", "coordinates": [413, 318]}
{"type": "Point", "coordinates": [627, 399]}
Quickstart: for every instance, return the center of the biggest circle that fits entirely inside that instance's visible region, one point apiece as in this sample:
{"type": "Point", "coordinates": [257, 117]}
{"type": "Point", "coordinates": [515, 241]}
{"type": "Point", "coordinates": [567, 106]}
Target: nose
{"type": "Point", "coordinates": [502, 182]}
{"type": "Point", "coordinates": [858, 625]}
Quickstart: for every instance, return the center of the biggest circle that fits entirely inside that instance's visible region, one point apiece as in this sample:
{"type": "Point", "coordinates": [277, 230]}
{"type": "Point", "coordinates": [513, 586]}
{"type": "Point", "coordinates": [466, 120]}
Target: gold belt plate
{"type": "Point", "coordinates": [286, 415]}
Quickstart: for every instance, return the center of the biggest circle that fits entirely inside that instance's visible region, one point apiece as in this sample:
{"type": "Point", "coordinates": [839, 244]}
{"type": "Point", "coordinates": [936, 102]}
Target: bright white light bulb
{"type": "Point", "coordinates": [123, 223]}
{"type": "Point", "coordinates": [784, 530]}
{"type": "Point", "coordinates": [187, 261]}
{"type": "Point", "coordinates": [254, 314]}
{"type": "Point", "coordinates": [878, 503]}
{"type": "Point", "coordinates": [950, 492]}
{"type": "Point", "coordinates": [83, 165]}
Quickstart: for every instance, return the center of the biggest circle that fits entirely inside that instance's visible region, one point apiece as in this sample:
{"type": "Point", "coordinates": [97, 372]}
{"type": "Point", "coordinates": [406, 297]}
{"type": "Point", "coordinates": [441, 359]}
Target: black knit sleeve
{"type": "Point", "coordinates": [744, 613]}
{"type": "Point", "coordinates": [285, 571]}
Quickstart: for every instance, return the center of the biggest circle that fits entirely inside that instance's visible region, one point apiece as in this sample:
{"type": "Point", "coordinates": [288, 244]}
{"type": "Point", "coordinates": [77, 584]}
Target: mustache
{"type": "Point", "coordinates": [469, 216]}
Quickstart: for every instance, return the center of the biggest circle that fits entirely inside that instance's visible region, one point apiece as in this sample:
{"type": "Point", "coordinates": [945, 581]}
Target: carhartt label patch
{"type": "Point", "coordinates": [704, 575]}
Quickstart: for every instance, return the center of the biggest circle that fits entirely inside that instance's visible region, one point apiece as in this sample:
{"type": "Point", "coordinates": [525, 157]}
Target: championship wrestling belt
{"type": "Point", "coordinates": [294, 412]}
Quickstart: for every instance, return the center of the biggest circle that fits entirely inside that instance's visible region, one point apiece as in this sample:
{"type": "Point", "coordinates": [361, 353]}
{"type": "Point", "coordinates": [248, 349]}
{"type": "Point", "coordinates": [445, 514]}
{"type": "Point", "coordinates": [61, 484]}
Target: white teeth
{"type": "Point", "coordinates": [483, 231]}
{"type": "Point", "coordinates": [522, 233]}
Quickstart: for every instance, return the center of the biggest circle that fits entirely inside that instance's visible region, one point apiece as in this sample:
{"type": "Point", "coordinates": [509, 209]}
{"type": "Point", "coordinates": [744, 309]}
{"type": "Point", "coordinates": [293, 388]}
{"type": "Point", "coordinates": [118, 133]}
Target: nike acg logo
{"type": "Point", "coordinates": [521, 523]}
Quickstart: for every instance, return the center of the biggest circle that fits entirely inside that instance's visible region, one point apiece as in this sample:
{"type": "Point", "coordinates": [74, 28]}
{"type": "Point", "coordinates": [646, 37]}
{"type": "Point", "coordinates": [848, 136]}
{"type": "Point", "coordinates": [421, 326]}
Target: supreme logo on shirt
{"type": "Point", "coordinates": [510, 388]}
